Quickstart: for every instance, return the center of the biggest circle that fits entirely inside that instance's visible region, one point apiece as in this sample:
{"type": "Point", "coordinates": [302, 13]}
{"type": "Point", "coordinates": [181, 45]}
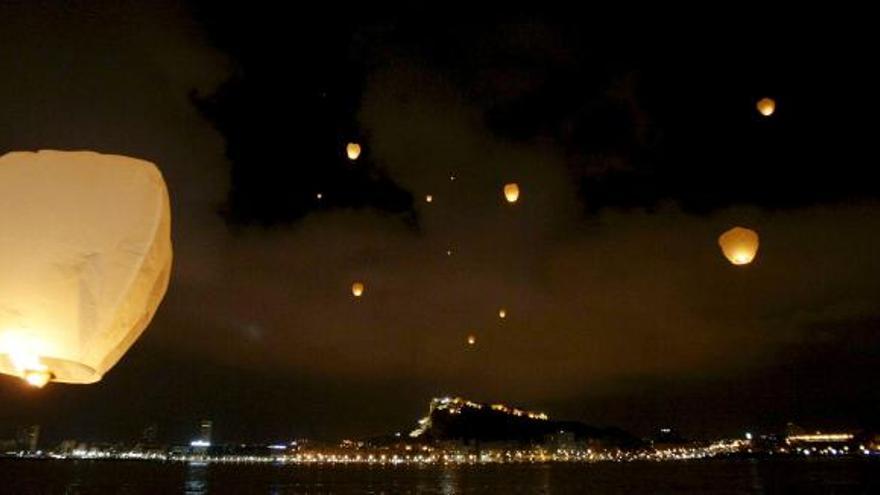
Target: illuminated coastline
{"type": "Point", "coordinates": [426, 455]}
{"type": "Point", "coordinates": [437, 441]}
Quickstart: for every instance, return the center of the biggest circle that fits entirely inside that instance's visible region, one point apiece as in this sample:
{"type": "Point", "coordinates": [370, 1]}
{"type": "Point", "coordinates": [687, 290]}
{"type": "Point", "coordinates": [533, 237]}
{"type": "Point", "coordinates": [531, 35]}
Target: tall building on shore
{"type": "Point", "coordinates": [150, 434]}
{"type": "Point", "coordinates": [203, 440]}
{"type": "Point", "coordinates": [28, 438]}
{"type": "Point", "coordinates": [206, 427]}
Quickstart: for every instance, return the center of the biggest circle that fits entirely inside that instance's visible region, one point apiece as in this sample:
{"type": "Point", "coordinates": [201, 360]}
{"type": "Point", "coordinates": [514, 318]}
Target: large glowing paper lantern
{"type": "Point", "coordinates": [85, 258]}
{"type": "Point", "coordinates": [739, 245]}
{"type": "Point", "coordinates": [766, 106]}
{"type": "Point", "coordinates": [511, 192]}
{"type": "Point", "coordinates": [353, 150]}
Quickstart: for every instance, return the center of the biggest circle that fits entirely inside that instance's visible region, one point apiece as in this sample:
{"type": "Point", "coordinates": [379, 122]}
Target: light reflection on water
{"type": "Point", "coordinates": [695, 477]}
{"type": "Point", "coordinates": [757, 485]}
{"type": "Point", "coordinates": [449, 481]}
{"type": "Point", "coordinates": [196, 479]}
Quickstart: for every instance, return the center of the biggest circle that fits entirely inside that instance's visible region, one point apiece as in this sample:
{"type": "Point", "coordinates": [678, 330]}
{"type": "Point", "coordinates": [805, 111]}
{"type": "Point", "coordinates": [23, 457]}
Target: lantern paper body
{"type": "Point", "coordinates": [357, 289]}
{"type": "Point", "coordinates": [511, 192]}
{"type": "Point", "coordinates": [353, 150]}
{"type": "Point", "coordinates": [85, 258]}
{"type": "Point", "coordinates": [766, 106]}
{"type": "Point", "coordinates": [739, 245]}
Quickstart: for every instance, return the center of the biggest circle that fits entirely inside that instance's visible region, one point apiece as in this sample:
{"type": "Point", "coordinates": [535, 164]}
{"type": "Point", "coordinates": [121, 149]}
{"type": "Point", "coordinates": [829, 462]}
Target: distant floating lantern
{"type": "Point", "coordinates": [451, 177]}
{"type": "Point", "coordinates": [319, 196]}
{"type": "Point", "coordinates": [511, 192]}
{"type": "Point", "coordinates": [766, 106]}
{"type": "Point", "coordinates": [357, 289]}
{"type": "Point", "coordinates": [353, 150]}
{"type": "Point", "coordinates": [739, 245]}
{"type": "Point", "coordinates": [471, 339]}
{"type": "Point", "coordinates": [429, 198]}
{"type": "Point", "coordinates": [448, 252]}
{"type": "Point", "coordinates": [502, 313]}
{"type": "Point", "coordinates": [85, 258]}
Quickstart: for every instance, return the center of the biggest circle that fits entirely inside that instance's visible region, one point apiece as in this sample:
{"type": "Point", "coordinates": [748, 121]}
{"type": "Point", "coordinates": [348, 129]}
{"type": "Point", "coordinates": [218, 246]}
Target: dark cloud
{"type": "Point", "coordinates": [616, 315]}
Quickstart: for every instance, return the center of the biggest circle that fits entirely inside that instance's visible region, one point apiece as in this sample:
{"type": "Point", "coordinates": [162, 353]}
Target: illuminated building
{"type": "Point", "coordinates": [205, 430]}
{"type": "Point", "coordinates": [819, 438]}
{"type": "Point", "coordinates": [28, 438]}
{"type": "Point", "coordinates": [203, 441]}
{"type": "Point", "coordinates": [150, 433]}
{"type": "Point", "coordinates": [8, 446]}
{"type": "Point", "coordinates": [562, 440]}
{"type": "Point", "coordinates": [797, 436]}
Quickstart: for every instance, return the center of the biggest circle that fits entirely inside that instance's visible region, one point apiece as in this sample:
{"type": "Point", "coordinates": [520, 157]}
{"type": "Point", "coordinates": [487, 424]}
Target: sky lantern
{"type": "Point", "coordinates": [766, 106]}
{"type": "Point", "coordinates": [429, 198]}
{"type": "Point", "coordinates": [85, 259]}
{"type": "Point", "coordinates": [353, 150]}
{"type": "Point", "coordinates": [511, 192]}
{"type": "Point", "coordinates": [502, 313]}
{"type": "Point", "coordinates": [357, 289]}
{"type": "Point", "coordinates": [739, 245]}
{"type": "Point", "coordinates": [471, 339]}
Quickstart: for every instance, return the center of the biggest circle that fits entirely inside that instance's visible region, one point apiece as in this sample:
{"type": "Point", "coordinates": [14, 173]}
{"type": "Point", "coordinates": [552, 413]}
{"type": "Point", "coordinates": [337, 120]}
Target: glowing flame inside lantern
{"type": "Point", "coordinates": [25, 358]}
{"type": "Point", "coordinates": [37, 378]}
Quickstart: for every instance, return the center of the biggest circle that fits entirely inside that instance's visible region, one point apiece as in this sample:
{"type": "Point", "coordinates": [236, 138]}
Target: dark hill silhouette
{"type": "Point", "coordinates": [455, 419]}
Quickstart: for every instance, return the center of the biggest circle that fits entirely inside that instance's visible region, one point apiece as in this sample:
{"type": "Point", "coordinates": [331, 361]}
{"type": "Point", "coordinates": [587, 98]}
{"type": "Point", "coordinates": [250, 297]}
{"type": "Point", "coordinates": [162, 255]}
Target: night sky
{"type": "Point", "coordinates": [635, 142]}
